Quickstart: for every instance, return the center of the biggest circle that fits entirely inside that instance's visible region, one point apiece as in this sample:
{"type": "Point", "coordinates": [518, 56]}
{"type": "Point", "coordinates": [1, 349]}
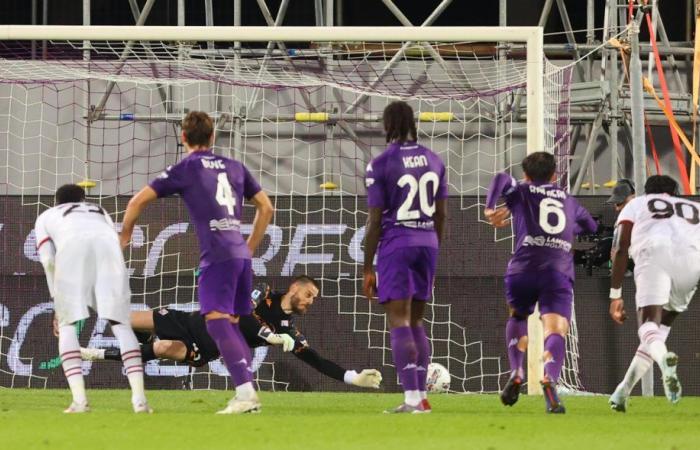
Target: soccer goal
{"type": "Point", "coordinates": [301, 107]}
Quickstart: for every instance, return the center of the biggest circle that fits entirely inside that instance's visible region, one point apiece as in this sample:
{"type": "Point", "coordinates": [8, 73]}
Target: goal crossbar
{"type": "Point", "coordinates": [531, 36]}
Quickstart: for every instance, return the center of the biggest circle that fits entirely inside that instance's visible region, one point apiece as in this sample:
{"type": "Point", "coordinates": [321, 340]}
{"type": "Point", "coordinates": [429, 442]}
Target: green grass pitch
{"type": "Point", "coordinates": [32, 419]}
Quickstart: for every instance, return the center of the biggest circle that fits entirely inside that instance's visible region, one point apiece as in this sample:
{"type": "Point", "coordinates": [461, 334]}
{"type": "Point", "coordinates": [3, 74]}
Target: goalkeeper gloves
{"type": "Point", "coordinates": [368, 378]}
{"type": "Point", "coordinates": [285, 340]}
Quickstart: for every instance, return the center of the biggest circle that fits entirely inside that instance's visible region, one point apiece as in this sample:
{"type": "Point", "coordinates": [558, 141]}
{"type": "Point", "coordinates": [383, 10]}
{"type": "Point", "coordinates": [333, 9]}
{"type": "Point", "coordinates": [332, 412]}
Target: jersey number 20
{"type": "Point", "coordinates": [421, 188]}
{"type": "Point", "coordinates": [549, 206]}
{"type": "Point", "coordinates": [224, 193]}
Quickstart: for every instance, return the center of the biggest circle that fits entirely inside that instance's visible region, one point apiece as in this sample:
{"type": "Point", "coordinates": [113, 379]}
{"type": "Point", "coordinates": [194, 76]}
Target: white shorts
{"type": "Point", "coordinates": [667, 277]}
{"type": "Point", "coordinates": [90, 272]}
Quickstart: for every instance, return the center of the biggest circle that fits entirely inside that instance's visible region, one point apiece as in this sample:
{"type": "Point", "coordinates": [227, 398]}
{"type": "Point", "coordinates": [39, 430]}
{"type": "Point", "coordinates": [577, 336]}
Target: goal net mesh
{"type": "Point", "coordinates": [306, 120]}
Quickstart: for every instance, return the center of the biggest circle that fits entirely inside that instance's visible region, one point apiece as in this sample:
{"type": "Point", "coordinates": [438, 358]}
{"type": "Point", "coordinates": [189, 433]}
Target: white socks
{"type": "Point", "coordinates": [641, 362]}
{"type": "Point", "coordinates": [651, 336]}
{"type": "Point", "coordinates": [246, 391]}
{"type": "Point", "coordinates": [69, 349]}
{"type": "Point", "coordinates": [131, 358]}
{"type": "Point", "coordinates": [412, 398]}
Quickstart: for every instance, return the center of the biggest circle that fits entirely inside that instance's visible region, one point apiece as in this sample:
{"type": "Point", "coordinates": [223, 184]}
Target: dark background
{"type": "Point", "coordinates": [469, 283]}
{"type": "Point", "coordinates": [355, 12]}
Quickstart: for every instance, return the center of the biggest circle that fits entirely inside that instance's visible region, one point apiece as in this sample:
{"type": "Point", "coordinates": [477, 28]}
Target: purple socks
{"type": "Point", "coordinates": [555, 344]}
{"type": "Point", "coordinates": [233, 349]}
{"type": "Point", "coordinates": [423, 358]}
{"type": "Point", "coordinates": [515, 329]}
{"type": "Point", "coordinates": [405, 353]}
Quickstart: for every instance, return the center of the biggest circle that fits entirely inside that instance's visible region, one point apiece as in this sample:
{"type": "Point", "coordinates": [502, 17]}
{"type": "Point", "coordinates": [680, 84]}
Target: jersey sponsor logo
{"type": "Point", "coordinates": [213, 164]}
{"type": "Point", "coordinates": [550, 242]}
{"type": "Point", "coordinates": [547, 190]}
{"type": "Point", "coordinates": [225, 224]}
{"type": "Point", "coordinates": [417, 224]}
{"type": "Point", "coordinates": [284, 323]}
{"type": "Point", "coordinates": [411, 162]}
{"type": "Point", "coordinates": [369, 182]}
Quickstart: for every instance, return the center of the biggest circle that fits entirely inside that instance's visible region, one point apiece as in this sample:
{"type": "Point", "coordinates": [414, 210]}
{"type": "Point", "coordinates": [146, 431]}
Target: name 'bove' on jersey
{"type": "Point", "coordinates": [213, 188]}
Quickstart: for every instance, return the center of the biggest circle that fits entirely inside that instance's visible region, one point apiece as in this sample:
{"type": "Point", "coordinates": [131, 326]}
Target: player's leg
{"type": "Point", "coordinates": [422, 348]}
{"type": "Point", "coordinates": [113, 298]}
{"type": "Point", "coordinates": [160, 349]}
{"type": "Point", "coordinates": [217, 294]}
{"type": "Point", "coordinates": [395, 288]}
{"type": "Point", "coordinates": [521, 295]}
{"type": "Point", "coordinates": [73, 284]}
{"type": "Point", "coordinates": [423, 273]}
{"type": "Point", "coordinates": [639, 366]}
{"type": "Point", "coordinates": [654, 289]}
{"type": "Point", "coordinates": [242, 306]}
{"type": "Point", "coordinates": [555, 301]}
{"type": "Point", "coordinates": [142, 321]}
{"type": "Point", "coordinates": [69, 349]}
{"type": "Point", "coordinates": [404, 350]}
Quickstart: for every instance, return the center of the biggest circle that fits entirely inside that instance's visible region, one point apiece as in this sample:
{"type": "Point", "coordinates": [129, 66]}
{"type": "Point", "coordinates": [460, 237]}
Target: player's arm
{"type": "Point", "coordinates": [260, 334]}
{"type": "Point", "coordinates": [501, 185]}
{"type": "Point", "coordinates": [46, 250]}
{"type": "Point", "coordinates": [440, 216]}
{"type": "Point", "coordinates": [263, 215]}
{"type": "Point", "coordinates": [373, 233]}
{"type": "Point", "coordinates": [368, 378]}
{"type": "Point", "coordinates": [620, 260]}
{"type": "Point", "coordinates": [133, 210]}
{"type": "Point", "coordinates": [586, 224]}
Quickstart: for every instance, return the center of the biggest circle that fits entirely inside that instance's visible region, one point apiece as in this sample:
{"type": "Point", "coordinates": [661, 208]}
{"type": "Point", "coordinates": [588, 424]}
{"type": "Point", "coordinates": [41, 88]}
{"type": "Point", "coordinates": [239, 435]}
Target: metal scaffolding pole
{"type": "Point", "coordinates": [86, 94]}
{"type": "Point", "coordinates": [590, 152]}
{"type": "Point", "coordinates": [122, 59]}
{"type": "Point", "coordinates": [570, 35]}
{"type": "Point", "coordinates": [614, 101]}
{"type": "Point", "coordinates": [399, 54]}
{"type": "Point", "coordinates": [209, 18]}
{"type": "Point", "coordinates": [637, 92]}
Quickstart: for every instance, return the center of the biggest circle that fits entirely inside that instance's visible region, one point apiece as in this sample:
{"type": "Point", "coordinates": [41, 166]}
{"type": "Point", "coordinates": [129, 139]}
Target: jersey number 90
{"type": "Point", "coordinates": [661, 209]}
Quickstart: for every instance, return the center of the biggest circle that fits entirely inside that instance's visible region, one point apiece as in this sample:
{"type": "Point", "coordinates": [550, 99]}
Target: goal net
{"type": "Point", "coordinates": [305, 118]}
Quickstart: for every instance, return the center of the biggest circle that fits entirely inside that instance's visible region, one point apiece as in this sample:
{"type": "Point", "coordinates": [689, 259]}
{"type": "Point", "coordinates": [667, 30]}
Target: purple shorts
{"type": "Point", "coordinates": [225, 287]}
{"type": "Point", "coordinates": [552, 291]}
{"type": "Point", "coordinates": [406, 273]}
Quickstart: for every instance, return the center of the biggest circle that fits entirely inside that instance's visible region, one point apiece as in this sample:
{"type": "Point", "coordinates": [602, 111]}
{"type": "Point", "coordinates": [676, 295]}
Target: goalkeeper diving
{"type": "Point", "coordinates": [183, 337]}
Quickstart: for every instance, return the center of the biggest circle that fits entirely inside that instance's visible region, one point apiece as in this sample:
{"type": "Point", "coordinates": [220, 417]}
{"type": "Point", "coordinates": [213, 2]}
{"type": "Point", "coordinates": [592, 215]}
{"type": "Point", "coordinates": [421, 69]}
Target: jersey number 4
{"type": "Point", "coordinates": [421, 188]}
{"type": "Point", "coordinates": [549, 207]}
{"type": "Point", "coordinates": [224, 193]}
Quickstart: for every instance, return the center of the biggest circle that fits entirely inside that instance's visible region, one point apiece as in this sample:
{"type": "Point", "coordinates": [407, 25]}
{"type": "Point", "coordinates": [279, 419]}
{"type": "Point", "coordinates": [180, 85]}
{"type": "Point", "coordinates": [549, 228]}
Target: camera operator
{"type": "Point", "coordinates": [600, 253]}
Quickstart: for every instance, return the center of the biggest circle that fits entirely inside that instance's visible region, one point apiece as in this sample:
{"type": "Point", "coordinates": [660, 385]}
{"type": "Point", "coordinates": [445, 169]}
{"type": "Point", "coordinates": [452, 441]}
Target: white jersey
{"type": "Point", "coordinates": [661, 220]}
{"type": "Point", "coordinates": [63, 223]}
{"type": "Point", "coordinates": [83, 261]}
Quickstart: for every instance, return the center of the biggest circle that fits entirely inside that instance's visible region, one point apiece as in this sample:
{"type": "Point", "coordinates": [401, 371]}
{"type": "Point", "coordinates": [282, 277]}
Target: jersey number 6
{"type": "Point", "coordinates": [549, 206]}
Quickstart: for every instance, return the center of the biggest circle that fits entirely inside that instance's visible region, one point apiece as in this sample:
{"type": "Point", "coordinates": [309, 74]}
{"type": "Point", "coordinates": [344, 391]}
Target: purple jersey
{"type": "Point", "coordinates": [545, 219]}
{"type": "Point", "coordinates": [213, 188]}
{"type": "Point", "coordinates": [404, 181]}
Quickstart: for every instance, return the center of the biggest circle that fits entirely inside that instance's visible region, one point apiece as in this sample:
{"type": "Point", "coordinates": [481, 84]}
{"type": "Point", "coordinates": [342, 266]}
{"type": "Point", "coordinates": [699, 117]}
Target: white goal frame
{"type": "Point", "coordinates": [532, 37]}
